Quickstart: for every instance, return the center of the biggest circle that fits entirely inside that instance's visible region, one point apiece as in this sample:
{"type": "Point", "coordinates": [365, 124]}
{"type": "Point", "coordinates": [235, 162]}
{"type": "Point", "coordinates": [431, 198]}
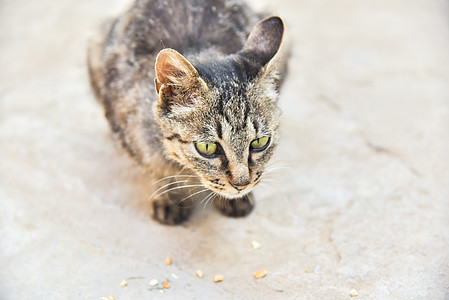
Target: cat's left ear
{"type": "Point", "coordinates": [264, 41]}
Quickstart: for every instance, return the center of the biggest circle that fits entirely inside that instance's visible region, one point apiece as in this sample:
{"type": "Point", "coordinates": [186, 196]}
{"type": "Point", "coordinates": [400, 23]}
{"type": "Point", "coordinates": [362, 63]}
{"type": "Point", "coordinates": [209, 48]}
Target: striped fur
{"type": "Point", "coordinates": [217, 80]}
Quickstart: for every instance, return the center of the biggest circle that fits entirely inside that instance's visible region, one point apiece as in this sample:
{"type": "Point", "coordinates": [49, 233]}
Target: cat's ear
{"type": "Point", "coordinates": [176, 78]}
{"type": "Point", "coordinates": [173, 69]}
{"type": "Point", "coordinates": [264, 41]}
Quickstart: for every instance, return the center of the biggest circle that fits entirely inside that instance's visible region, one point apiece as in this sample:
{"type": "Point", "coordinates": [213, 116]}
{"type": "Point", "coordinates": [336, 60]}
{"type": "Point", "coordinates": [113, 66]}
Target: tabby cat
{"type": "Point", "coordinates": [190, 88]}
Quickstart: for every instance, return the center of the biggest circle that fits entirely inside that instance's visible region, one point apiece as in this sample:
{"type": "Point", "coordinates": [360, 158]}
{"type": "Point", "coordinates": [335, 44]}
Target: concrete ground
{"type": "Point", "coordinates": [360, 199]}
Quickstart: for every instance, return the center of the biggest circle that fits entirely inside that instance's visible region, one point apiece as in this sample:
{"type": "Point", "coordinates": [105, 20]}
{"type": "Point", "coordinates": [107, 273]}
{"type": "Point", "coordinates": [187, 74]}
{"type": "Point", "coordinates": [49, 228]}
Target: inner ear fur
{"type": "Point", "coordinates": [177, 81]}
{"type": "Point", "coordinates": [173, 71]}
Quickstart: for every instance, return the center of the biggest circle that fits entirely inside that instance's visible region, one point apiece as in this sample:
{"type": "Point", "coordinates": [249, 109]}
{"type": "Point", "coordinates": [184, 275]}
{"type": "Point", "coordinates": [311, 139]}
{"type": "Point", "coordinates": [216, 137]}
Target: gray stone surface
{"type": "Point", "coordinates": [358, 196]}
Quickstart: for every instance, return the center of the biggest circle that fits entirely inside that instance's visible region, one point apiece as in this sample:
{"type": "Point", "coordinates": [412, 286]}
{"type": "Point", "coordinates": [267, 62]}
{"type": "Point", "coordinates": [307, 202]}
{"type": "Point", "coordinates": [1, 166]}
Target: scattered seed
{"type": "Point", "coordinates": [132, 278]}
{"type": "Point", "coordinates": [123, 283]}
{"type": "Point", "coordinates": [353, 293]}
{"type": "Point", "coordinates": [168, 260]}
{"type": "Point", "coordinates": [256, 245]}
{"type": "Point", "coordinates": [218, 278]}
{"type": "Point", "coordinates": [174, 276]}
{"type": "Point", "coordinates": [199, 273]}
{"type": "Point", "coordinates": [108, 298]}
{"type": "Point", "coordinates": [153, 282]}
{"type": "Point", "coordinates": [307, 271]}
{"type": "Point", "coordinates": [260, 274]}
{"type": "Point", "coordinates": [165, 284]}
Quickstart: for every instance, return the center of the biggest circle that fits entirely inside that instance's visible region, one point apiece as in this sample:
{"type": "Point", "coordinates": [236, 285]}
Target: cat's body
{"type": "Point", "coordinates": [210, 117]}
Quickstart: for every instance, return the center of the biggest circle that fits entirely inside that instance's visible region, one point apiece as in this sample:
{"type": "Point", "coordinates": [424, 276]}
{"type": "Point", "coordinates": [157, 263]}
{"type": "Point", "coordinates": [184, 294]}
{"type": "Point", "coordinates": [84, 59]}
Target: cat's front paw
{"type": "Point", "coordinates": [169, 213]}
{"type": "Point", "coordinates": [238, 207]}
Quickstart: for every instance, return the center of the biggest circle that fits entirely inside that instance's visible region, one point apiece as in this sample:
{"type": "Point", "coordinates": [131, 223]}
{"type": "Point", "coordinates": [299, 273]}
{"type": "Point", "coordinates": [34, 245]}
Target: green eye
{"type": "Point", "coordinates": [206, 149]}
{"type": "Point", "coordinates": [260, 143]}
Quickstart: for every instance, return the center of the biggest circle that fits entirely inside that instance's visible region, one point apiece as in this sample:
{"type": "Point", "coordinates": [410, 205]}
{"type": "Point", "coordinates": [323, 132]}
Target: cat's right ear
{"type": "Point", "coordinates": [173, 69]}
{"type": "Point", "coordinates": [176, 78]}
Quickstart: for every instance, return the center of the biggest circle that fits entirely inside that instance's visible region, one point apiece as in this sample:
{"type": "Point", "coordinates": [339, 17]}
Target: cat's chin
{"type": "Point", "coordinates": [233, 195]}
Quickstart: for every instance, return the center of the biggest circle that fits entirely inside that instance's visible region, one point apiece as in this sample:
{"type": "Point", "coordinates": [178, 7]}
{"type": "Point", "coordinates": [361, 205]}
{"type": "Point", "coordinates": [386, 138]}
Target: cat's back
{"type": "Point", "coordinates": [188, 25]}
{"type": "Point", "coordinates": [126, 49]}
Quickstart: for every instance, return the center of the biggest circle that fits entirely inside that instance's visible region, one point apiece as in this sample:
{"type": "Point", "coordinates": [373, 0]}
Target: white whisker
{"type": "Point", "coordinates": [174, 176]}
{"type": "Point", "coordinates": [207, 196]}
{"type": "Point", "coordinates": [279, 164]}
{"type": "Point", "coordinates": [270, 183]}
{"type": "Point", "coordinates": [164, 186]}
{"type": "Point", "coordinates": [271, 169]}
{"type": "Point", "coordinates": [202, 191]}
{"type": "Point", "coordinates": [210, 199]}
{"type": "Point", "coordinates": [180, 187]}
{"type": "Point", "coordinates": [206, 199]}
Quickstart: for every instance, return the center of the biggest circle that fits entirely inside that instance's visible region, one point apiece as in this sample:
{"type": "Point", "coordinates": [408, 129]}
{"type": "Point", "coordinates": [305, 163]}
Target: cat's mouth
{"type": "Point", "coordinates": [231, 191]}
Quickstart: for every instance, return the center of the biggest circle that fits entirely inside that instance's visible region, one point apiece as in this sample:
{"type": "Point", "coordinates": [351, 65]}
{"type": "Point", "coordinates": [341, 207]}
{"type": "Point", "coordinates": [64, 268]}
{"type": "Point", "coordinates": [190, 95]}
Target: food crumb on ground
{"type": "Point", "coordinates": [256, 245]}
{"type": "Point", "coordinates": [199, 273]}
{"type": "Point", "coordinates": [174, 276]}
{"type": "Point", "coordinates": [307, 271]}
{"type": "Point", "coordinates": [168, 261]}
{"type": "Point", "coordinates": [108, 298]}
{"type": "Point", "coordinates": [260, 274]}
{"type": "Point", "coordinates": [166, 284]}
{"type": "Point", "coordinates": [218, 278]}
{"type": "Point", "coordinates": [353, 293]}
{"type": "Point", "coordinates": [153, 282]}
{"type": "Point", "coordinates": [123, 283]}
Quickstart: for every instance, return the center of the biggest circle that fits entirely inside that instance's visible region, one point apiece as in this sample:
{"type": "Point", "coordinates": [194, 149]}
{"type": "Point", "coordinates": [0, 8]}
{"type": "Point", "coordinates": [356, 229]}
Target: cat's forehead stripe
{"type": "Point", "coordinates": [218, 127]}
{"type": "Point", "coordinates": [256, 126]}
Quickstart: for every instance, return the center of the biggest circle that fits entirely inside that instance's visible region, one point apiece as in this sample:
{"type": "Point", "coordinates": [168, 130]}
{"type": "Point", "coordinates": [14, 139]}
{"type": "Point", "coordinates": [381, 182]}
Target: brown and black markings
{"type": "Point", "coordinates": [172, 73]}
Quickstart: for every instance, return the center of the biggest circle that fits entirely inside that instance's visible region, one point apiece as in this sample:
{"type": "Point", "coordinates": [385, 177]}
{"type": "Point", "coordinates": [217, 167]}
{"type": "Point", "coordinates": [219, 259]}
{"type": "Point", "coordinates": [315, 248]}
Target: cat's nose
{"type": "Point", "coordinates": [240, 185]}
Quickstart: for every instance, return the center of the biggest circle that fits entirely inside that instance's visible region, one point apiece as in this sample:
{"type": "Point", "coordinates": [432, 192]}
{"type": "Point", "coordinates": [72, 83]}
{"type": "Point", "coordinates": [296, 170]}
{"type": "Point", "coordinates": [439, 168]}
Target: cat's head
{"type": "Point", "coordinates": [220, 118]}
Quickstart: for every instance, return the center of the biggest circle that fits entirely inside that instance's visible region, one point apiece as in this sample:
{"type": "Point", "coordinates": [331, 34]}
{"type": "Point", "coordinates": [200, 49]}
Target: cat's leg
{"type": "Point", "coordinates": [172, 202]}
{"type": "Point", "coordinates": [238, 207]}
{"type": "Point", "coordinates": [168, 210]}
